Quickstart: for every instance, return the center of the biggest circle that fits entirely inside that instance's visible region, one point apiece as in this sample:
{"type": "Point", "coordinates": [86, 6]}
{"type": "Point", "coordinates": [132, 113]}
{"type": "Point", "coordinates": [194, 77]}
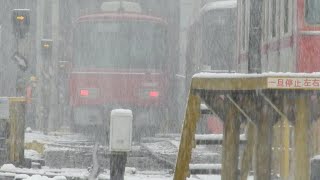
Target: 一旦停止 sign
{"type": "Point", "coordinates": [293, 83]}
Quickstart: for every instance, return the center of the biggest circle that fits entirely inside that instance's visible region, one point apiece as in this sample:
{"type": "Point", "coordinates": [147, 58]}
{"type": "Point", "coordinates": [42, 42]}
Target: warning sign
{"type": "Point", "coordinates": [4, 108]}
{"type": "Point", "coordinates": [294, 83]}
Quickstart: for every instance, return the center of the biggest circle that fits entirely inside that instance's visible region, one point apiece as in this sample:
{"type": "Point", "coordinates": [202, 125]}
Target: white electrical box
{"type": "Point", "coordinates": [121, 130]}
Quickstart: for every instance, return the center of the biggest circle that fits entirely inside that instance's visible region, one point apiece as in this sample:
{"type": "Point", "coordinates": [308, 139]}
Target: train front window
{"type": "Point", "coordinates": [120, 45]}
{"type": "Point", "coordinates": [218, 30]}
{"type": "Point", "coordinates": [312, 11]}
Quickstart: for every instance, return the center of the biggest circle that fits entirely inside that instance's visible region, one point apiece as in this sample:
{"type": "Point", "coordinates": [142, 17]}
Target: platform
{"type": "Point", "coordinates": [258, 99]}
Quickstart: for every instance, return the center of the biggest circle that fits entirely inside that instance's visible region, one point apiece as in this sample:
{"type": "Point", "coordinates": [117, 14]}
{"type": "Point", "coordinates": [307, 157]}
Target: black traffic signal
{"type": "Point", "coordinates": [20, 22]}
{"type": "Point", "coordinates": [46, 48]}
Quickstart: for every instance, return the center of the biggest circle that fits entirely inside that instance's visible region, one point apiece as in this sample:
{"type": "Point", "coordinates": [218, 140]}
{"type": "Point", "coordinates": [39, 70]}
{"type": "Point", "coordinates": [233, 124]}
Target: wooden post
{"type": "Point", "coordinates": [246, 160]}
{"type": "Point", "coordinates": [17, 126]}
{"type": "Point", "coordinates": [315, 137]}
{"type": "Point", "coordinates": [230, 154]}
{"type": "Point", "coordinates": [189, 128]}
{"type": "Point", "coordinates": [285, 146]}
{"type": "Point", "coordinates": [285, 141]}
{"type": "Point", "coordinates": [301, 138]}
{"type": "Point", "coordinates": [263, 145]}
{"type": "Point", "coordinates": [276, 148]}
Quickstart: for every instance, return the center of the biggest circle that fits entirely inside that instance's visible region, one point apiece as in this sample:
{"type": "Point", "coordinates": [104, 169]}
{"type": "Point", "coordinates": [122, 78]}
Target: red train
{"type": "Point", "coordinates": [290, 37]}
{"type": "Point", "coordinates": [120, 60]}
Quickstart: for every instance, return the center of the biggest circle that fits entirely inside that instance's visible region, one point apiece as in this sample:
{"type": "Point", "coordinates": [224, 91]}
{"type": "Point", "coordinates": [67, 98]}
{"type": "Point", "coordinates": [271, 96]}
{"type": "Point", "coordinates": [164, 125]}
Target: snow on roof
{"type": "Point", "coordinates": [205, 166]}
{"type": "Point", "coordinates": [267, 74]}
{"type": "Point", "coordinates": [114, 6]}
{"type": "Point", "coordinates": [203, 106]}
{"type": "Point", "coordinates": [317, 157]}
{"type": "Point", "coordinates": [228, 4]}
{"type": "Point", "coordinates": [121, 112]}
{"type": "Point", "coordinates": [214, 137]}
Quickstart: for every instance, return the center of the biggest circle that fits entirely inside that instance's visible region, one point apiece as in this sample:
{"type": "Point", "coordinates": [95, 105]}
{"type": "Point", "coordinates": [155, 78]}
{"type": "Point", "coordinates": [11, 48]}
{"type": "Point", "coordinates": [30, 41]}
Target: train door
{"type": "Point", "coordinates": [243, 35]}
{"type": "Point", "coordinates": [274, 36]}
{"type": "Point", "coordinates": [265, 35]}
{"type": "Point", "coordinates": [287, 61]}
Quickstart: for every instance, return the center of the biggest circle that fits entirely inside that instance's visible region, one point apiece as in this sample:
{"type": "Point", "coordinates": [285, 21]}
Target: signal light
{"type": "Point", "coordinates": [46, 45]}
{"type": "Point", "coordinates": [20, 22]}
{"type": "Point", "coordinates": [154, 94]}
{"type": "Point", "coordinates": [46, 48]}
{"type": "Point", "coordinates": [84, 93]}
{"type": "Point", "coordinates": [20, 18]}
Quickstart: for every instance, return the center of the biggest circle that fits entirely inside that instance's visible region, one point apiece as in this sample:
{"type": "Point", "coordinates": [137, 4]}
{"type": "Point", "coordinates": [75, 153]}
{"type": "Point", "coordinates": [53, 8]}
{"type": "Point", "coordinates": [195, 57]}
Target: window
{"type": "Point", "coordinates": [312, 11]}
{"type": "Point", "coordinates": [120, 44]}
{"type": "Point", "coordinates": [286, 16]}
{"type": "Point", "coordinates": [265, 20]}
{"type": "Point", "coordinates": [273, 18]}
{"type": "Point", "coordinates": [218, 50]}
{"type": "Point", "coordinates": [243, 24]}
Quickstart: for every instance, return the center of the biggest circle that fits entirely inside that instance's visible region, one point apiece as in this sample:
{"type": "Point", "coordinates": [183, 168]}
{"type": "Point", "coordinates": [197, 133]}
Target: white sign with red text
{"type": "Point", "coordinates": [293, 83]}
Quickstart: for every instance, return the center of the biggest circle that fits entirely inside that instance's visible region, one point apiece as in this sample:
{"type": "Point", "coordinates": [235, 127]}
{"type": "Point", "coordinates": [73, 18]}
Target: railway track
{"type": "Point", "coordinates": [151, 154]}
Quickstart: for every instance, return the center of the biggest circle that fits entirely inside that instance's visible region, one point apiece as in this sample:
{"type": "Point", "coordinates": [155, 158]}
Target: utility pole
{"type": "Point", "coordinates": [54, 121]}
{"type": "Point", "coordinates": [39, 65]}
{"type": "Point", "coordinates": [20, 26]}
{"type": "Point", "coordinates": [47, 30]}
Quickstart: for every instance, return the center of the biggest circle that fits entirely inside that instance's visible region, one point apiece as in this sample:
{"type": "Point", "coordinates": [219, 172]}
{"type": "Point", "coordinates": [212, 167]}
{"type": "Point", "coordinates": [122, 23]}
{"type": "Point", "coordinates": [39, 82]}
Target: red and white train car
{"type": "Point", "coordinates": [120, 61]}
{"type": "Point", "coordinates": [290, 35]}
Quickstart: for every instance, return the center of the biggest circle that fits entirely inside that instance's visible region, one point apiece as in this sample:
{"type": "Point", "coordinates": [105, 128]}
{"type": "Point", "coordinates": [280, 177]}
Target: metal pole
{"type": "Point", "coordinates": [53, 116]}
{"type": "Point", "coordinates": [39, 35]}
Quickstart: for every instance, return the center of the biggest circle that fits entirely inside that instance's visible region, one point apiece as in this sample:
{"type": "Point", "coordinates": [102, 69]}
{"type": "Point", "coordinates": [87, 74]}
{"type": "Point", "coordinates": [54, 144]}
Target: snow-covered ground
{"type": "Point", "coordinates": [67, 140]}
{"type": "Point", "coordinates": [55, 138]}
{"type": "Point", "coordinates": [61, 174]}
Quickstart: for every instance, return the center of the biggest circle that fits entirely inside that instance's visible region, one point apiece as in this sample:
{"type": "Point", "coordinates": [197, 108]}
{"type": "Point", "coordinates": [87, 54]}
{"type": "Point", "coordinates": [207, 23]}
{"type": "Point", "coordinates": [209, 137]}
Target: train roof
{"type": "Point", "coordinates": [227, 4]}
{"type": "Point", "coordinates": [105, 16]}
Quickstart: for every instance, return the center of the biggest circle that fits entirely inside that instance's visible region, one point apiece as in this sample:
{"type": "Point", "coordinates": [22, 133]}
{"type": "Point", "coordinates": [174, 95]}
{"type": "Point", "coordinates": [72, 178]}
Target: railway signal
{"type": "Point", "coordinates": [20, 22]}
{"type": "Point", "coordinates": [46, 73]}
{"type": "Point", "coordinates": [46, 48]}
